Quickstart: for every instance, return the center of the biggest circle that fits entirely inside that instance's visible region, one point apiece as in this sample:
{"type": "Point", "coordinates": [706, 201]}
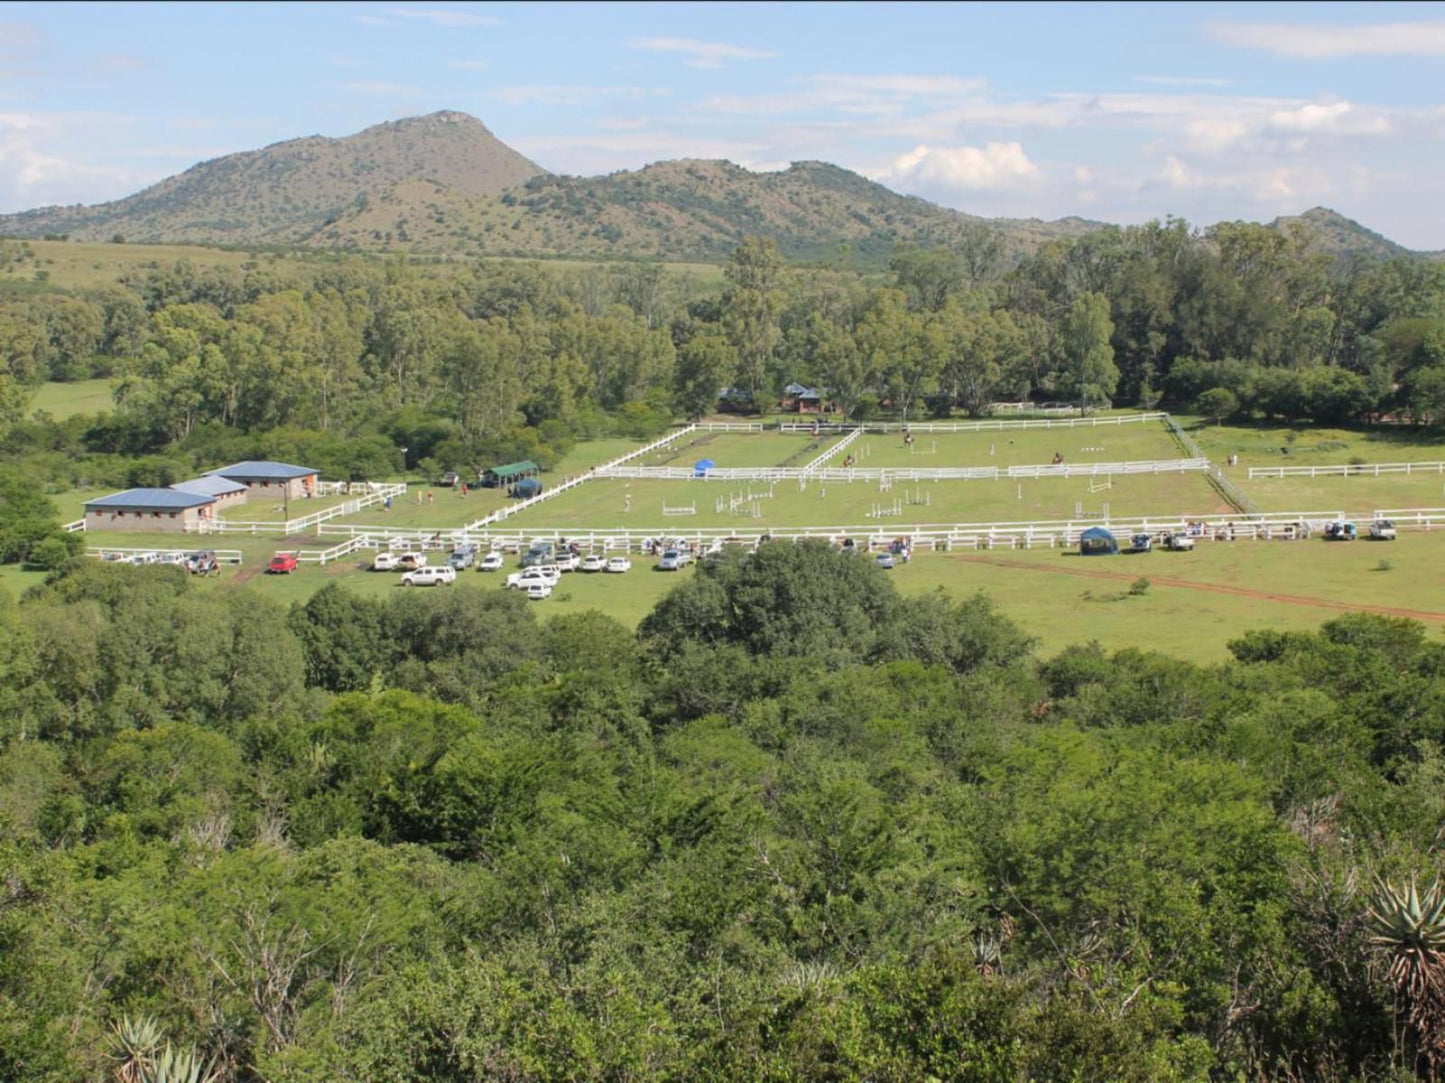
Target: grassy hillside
{"type": "Point", "coordinates": [1341, 236]}
{"type": "Point", "coordinates": [688, 209]}
{"type": "Point", "coordinates": [283, 193]}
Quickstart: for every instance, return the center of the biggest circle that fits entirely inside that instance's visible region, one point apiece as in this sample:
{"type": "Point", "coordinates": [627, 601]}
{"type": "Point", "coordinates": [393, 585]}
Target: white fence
{"type": "Point", "coordinates": [336, 552]}
{"type": "Point", "coordinates": [940, 536]}
{"type": "Point", "coordinates": [74, 527]}
{"type": "Point", "coordinates": [376, 493]}
{"type": "Point", "coordinates": [111, 552]}
{"type": "Point", "coordinates": [1347, 470]}
{"type": "Point", "coordinates": [1424, 518]}
{"type": "Point", "coordinates": [816, 472]}
{"type": "Point", "coordinates": [729, 426]}
{"type": "Point", "coordinates": [982, 425]}
{"type": "Point", "coordinates": [830, 452]}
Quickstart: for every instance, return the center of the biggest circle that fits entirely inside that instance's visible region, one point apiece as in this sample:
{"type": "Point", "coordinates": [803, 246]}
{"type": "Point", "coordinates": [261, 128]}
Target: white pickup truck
{"type": "Point", "coordinates": [386, 562]}
{"type": "Point", "coordinates": [443, 575]}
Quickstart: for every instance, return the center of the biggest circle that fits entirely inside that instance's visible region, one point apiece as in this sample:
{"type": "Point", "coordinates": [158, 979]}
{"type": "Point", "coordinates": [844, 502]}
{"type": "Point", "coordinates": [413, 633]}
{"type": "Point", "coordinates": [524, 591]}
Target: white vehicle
{"type": "Point", "coordinates": [567, 562]}
{"type": "Point", "coordinates": [594, 562]}
{"type": "Point", "coordinates": [170, 558]}
{"type": "Point", "coordinates": [492, 562]}
{"type": "Point", "coordinates": [144, 558]}
{"type": "Point", "coordinates": [1180, 543]}
{"type": "Point", "coordinates": [539, 573]}
{"type": "Point", "coordinates": [537, 591]}
{"type": "Point", "coordinates": [386, 562]}
{"type": "Point", "coordinates": [411, 561]}
{"type": "Point", "coordinates": [619, 564]}
{"type": "Point", "coordinates": [443, 575]}
{"type": "Point", "coordinates": [1382, 530]}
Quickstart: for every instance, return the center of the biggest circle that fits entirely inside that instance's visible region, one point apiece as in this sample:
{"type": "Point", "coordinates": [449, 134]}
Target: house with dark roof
{"type": "Point", "coordinates": [227, 493]}
{"type": "Point", "coordinates": [271, 479]}
{"type": "Point", "coordinates": [155, 511]}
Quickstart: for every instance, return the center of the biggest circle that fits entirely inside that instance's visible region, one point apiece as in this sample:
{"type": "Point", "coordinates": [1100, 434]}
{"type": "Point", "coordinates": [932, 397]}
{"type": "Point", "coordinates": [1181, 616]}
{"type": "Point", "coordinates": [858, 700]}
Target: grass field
{"type": "Point", "coordinates": [1197, 601]}
{"type": "Point", "coordinates": [1020, 447]}
{"type": "Point", "coordinates": [61, 401]}
{"type": "Point", "coordinates": [1355, 495]}
{"type": "Point", "coordinates": [615, 503]}
{"type": "Point", "coordinates": [1265, 444]}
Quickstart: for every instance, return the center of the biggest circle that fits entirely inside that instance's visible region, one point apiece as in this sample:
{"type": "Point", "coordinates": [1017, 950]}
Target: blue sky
{"type": "Point", "coordinates": [1119, 112]}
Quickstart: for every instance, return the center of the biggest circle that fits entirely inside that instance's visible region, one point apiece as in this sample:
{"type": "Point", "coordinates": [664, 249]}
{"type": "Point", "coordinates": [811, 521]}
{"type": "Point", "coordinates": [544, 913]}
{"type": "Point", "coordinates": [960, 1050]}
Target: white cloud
{"type": "Point", "coordinates": [573, 95]}
{"type": "Point", "coordinates": [702, 54]}
{"type": "Point", "coordinates": [373, 20]}
{"type": "Point", "coordinates": [903, 86]}
{"type": "Point", "coordinates": [377, 89]}
{"type": "Point", "coordinates": [43, 160]}
{"type": "Point", "coordinates": [467, 65]}
{"type": "Point", "coordinates": [1181, 80]}
{"type": "Point", "coordinates": [858, 94]}
{"type": "Point", "coordinates": [1320, 41]}
{"type": "Point", "coordinates": [623, 124]}
{"type": "Point", "coordinates": [448, 18]}
{"type": "Point", "coordinates": [994, 165]}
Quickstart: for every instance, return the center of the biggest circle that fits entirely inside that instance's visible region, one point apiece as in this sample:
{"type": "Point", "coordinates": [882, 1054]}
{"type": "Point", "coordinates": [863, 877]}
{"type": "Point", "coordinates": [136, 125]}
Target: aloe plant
{"type": "Point", "coordinates": [1410, 926]}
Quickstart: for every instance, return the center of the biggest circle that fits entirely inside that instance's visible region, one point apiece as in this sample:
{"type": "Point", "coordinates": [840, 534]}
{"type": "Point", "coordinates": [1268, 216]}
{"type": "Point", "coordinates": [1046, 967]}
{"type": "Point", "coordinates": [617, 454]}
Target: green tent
{"type": "Point", "coordinates": [511, 472]}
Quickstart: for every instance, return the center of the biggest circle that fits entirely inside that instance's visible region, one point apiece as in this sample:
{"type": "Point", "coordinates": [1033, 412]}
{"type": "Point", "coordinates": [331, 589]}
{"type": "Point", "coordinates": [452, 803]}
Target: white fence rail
{"type": "Point", "coordinates": [830, 452]}
{"type": "Point", "coordinates": [375, 493]}
{"type": "Point", "coordinates": [988, 535]}
{"type": "Point", "coordinates": [336, 552]}
{"type": "Point", "coordinates": [981, 425]}
{"type": "Point", "coordinates": [1347, 470]}
{"type": "Point", "coordinates": [816, 472]}
{"type": "Point", "coordinates": [1424, 518]}
{"type": "Point", "coordinates": [113, 552]}
{"type": "Point", "coordinates": [730, 426]}
{"type": "Point", "coordinates": [73, 527]}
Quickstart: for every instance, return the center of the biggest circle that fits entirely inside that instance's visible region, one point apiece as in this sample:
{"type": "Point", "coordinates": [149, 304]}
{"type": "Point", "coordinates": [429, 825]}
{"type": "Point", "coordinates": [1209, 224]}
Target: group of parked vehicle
{"type": "Point", "coordinates": [201, 562]}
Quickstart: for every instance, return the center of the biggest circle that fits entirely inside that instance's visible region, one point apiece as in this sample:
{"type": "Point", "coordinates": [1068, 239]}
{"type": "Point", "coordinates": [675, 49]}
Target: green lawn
{"type": "Point", "coordinates": [1020, 447]}
{"type": "Point", "coordinates": [617, 503]}
{"type": "Point", "coordinates": [1269, 444]}
{"type": "Point", "coordinates": [61, 401]}
{"type": "Point", "coordinates": [1041, 589]}
{"type": "Point", "coordinates": [1355, 495]}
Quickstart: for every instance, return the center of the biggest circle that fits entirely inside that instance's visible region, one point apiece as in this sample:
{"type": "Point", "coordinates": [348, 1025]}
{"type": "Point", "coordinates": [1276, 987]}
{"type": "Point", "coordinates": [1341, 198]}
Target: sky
{"type": "Point", "coordinates": [1117, 112]}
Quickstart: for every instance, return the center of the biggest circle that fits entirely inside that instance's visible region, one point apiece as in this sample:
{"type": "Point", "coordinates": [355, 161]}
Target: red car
{"type": "Point", "coordinates": [282, 564]}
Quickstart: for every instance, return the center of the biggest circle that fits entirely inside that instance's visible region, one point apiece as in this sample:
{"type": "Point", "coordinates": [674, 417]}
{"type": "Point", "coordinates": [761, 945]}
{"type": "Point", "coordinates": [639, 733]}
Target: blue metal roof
{"type": "Point", "coordinates": [209, 486]}
{"type": "Point", "coordinates": [151, 500]}
{"type": "Point", "coordinates": [262, 471]}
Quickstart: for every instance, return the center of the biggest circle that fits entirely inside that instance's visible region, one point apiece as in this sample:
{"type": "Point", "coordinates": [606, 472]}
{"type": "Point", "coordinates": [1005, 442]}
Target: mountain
{"type": "Point", "coordinates": [687, 209]}
{"type": "Point", "coordinates": [284, 193]}
{"type": "Point", "coordinates": [1341, 236]}
{"type": "Point", "coordinates": [444, 183]}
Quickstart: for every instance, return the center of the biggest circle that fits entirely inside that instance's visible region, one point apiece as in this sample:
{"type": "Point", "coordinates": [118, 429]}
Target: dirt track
{"type": "Point", "coordinates": [1213, 588]}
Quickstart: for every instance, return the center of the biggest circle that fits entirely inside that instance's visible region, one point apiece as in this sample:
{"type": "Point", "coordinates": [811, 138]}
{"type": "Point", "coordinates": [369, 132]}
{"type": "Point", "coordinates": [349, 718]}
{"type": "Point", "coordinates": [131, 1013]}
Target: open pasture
{"type": "Point", "coordinates": [1014, 447]}
{"type": "Point", "coordinates": [1270, 444]}
{"type": "Point", "coordinates": [639, 504]}
{"type": "Point", "coordinates": [64, 400]}
{"type": "Point", "coordinates": [1356, 495]}
{"type": "Point", "coordinates": [739, 449]}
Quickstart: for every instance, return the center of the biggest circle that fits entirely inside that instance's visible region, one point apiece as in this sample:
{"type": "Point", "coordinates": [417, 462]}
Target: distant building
{"type": "Point", "coordinates": [154, 511]}
{"type": "Point", "coordinates": [226, 492]}
{"type": "Point", "coordinates": [508, 475]}
{"type": "Point", "coordinates": [806, 400]}
{"type": "Point", "coordinates": [271, 479]}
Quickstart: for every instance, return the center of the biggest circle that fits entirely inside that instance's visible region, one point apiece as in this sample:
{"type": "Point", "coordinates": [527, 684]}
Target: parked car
{"type": "Point", "coordinates": [539, 553]}
{"type": "Point", "coordinates": [1141, 543]}
{"type": "Point", "coordinates": [492, 562]}
{"type": "Point", "coordinates": [538, 573]}
{"type": "Point", "coordinates": [885, 561]}
{"type": "Point", "coordinates": [463, 558]}
{"type": "Point", "coordinates": [537, 591]}
{"type": "Point", "coordinates": [594, 562]}
{"type": "Point", "coordinates": [619, 564]}
{"type": "Point", "coordinates": [674, 560]}
{"type": "Point", "coordinates": [411, 561]}
{"type": "Point", "coordinates": [170, 557]}
{"type": "Point", "coordinates": [449, 479]}
{"type": "Point", "coordinates": [282, 564]}
{"type": "Point", "coordinates": [567, 562]}
{"type": "Point", "coordinates": [386, 562]}
{"type": "Point", "coordinates": [1341, 531]}
{"type": "Point", "coordinates": [1180, 542]}
{"type": "Point", "coordinates": [443, 575]}
{"type": "Point", "coordinates": [1382, 530]}
{"type": "Point", "coordinates": [202, 562]}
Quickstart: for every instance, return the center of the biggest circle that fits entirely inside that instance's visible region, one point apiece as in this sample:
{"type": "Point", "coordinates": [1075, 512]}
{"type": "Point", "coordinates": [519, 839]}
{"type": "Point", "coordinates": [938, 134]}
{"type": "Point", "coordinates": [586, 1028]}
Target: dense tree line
{"type": "Point", "coordinates": [345, 362]}
{"type": "Point", "coordinates": [798, 827]}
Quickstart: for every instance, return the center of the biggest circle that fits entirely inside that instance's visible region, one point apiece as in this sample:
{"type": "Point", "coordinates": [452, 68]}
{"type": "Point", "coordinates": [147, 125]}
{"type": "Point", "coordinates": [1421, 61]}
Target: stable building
{"type": "Point", "coordinates": [154, 511]}
{"type": "Point", "coordinates": [227, 493]}
{"type": "Point", "coordinates": [272, 479]}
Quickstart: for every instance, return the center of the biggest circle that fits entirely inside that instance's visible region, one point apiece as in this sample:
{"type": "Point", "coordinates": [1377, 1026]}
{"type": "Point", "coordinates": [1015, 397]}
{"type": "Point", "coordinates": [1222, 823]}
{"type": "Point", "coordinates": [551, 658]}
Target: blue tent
{"type": "Point", "coordinates": [702, 466]}
{"type": "Point", "coordinates": [1097, 542]}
